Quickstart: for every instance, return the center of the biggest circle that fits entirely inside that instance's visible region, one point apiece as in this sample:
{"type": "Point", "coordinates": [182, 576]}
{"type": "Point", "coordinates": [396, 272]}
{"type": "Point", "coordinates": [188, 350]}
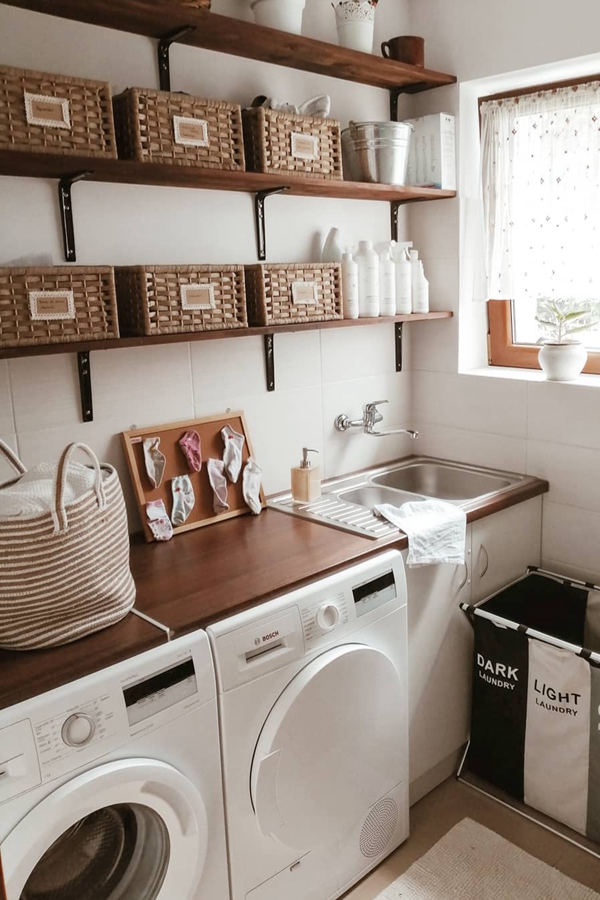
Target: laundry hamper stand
{"type": "Point", "coordinates": [535, 723]}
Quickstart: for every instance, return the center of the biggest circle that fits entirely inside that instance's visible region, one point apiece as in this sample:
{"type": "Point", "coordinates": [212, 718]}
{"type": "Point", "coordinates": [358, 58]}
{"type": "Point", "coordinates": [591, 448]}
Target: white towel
{"type": "Point", "coordinates": [436, 530]}
{"type": "Point", "coordinates": [35, 492]}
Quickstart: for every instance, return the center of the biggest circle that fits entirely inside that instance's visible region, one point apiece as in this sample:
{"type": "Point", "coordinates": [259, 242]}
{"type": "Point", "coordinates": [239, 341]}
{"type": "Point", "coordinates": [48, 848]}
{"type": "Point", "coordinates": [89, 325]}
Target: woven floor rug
{"type": "Point", "coordinates": [473, 863]}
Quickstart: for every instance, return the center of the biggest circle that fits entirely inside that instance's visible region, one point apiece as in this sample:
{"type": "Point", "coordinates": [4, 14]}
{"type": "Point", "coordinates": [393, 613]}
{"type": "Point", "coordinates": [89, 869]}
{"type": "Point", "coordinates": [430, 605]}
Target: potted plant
{"type": "Point", "coordinates": [355, 22]}
{"type": "Point", "coordinates": [561, 357]}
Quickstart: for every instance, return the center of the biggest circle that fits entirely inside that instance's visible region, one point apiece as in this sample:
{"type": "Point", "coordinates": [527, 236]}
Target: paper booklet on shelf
{"type": "Point", "coordinates": [432, 153]}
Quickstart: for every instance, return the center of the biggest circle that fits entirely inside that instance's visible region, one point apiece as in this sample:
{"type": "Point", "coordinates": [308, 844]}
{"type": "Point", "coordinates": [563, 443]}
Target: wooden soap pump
{"type": "Point", "coordinates": [306, 479]}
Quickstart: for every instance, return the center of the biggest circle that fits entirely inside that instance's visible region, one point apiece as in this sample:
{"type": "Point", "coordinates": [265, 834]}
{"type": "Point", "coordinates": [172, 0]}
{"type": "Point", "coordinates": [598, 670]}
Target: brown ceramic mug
{"type": "Point", "coordinates": [407, 49]}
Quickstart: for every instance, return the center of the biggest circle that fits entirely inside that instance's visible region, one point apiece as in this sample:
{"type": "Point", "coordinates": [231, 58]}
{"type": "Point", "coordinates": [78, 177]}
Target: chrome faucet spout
{"type": "Point", "coordinates": [371, 417]}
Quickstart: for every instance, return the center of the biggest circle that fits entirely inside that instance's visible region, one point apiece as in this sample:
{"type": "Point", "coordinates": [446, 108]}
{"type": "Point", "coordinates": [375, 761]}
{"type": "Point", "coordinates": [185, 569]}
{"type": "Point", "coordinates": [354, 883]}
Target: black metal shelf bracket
{"type": "Point", "coordinates": [260, 219]}
{"type": "Point", "coordinates": [398, 343]}
{"type": "Point", "coordinates": [85, 385]}
{"type": "Point", "coordinates": [395, 210]}
{"type": "Point", "coordinates": [269, 344]}
{"type": "Point", "coordinates": [394, 97]}
{"type": "Point", "coordinates": [65, 204]}
{"type": "Point", "coordinates": [164, 46]}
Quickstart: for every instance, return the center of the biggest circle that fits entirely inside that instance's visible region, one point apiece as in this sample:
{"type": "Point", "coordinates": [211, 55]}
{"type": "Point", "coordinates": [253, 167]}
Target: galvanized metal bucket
{"type": "Point", "coordinates": [376, 152]}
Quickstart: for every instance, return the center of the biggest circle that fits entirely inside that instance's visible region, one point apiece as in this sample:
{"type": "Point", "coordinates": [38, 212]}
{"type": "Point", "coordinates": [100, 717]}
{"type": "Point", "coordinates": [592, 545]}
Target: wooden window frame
{"type": "Point", "coordinates": [502, 349]}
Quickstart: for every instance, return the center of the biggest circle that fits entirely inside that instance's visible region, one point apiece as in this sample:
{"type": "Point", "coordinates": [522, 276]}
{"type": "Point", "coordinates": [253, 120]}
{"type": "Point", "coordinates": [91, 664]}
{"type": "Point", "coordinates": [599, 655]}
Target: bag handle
{"type": "Point", "coordinates": [61, 522]}
{"type": "Point", "coordinates": [12, 458]}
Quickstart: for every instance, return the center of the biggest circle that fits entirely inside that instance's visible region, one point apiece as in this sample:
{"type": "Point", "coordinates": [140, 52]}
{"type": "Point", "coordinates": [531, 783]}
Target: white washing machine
{"type": "Point", "coordinates": [314, 730]}
{"type": "Point", "coordinates": [110, 787]}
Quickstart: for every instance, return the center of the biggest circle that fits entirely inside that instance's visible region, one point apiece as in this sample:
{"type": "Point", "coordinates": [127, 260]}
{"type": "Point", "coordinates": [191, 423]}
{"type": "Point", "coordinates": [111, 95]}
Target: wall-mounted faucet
{"type": "Point", "coordinates": [371, 417]}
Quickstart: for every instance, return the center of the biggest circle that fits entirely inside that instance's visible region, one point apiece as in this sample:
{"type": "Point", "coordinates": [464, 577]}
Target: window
{"type": "Point", "coordinates": [541, 195]}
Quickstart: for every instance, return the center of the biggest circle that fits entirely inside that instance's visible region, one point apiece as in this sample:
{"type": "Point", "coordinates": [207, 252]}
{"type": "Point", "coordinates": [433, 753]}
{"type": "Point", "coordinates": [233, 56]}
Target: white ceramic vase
{"type": "Point", "coordinates": [284, 15]}
{"type": "Point", "coordinates": [355, 22]}
{"type": "Point", "coordinates": [562, 362]}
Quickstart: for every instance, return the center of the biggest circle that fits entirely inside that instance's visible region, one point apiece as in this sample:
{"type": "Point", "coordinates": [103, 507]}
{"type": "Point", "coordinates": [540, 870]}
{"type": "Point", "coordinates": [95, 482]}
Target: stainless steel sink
{"type": "Point", "coordinates": [444, 481]}
{"type": "Point", "coordinates": [348, 502]}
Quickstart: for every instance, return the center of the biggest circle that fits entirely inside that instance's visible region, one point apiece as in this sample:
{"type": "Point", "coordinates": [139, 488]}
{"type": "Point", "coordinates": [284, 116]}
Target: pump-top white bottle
{"type": "Point", "coordinates": [368, 280]}
{"type": "Point", "coordinates": [403, 278]}
{"type": "Point", "coordinates": [387, 282]}
{"type": "Point", "coordinates": [420, 303]}
{"type": "Point", "coordinates": [350, 286]}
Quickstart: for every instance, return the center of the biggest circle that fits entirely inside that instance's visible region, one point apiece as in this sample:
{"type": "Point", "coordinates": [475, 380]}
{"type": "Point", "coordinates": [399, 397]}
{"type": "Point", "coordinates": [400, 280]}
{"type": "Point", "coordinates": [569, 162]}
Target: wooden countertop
{"type": "Point", "coordinates": [206, 575]}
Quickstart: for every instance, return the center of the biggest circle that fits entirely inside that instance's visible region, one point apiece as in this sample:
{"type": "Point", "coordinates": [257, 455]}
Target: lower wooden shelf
{"type": "Point", "coordinates": [117, 343]}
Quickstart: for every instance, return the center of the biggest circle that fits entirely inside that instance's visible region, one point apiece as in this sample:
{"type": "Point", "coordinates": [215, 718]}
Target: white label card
{"type": "Point", "coordinates": [197, 296]}
{"type": "Point", "coordinates": [49, 111]}
{"type": "Point", "coordinates": [305, 146]}
{"type": "Point", "coordinates": [51, 305]}
{"type": "Point", "coordinates": [304, 293]}
{"type": "Point", "coordinates": [190, 132]}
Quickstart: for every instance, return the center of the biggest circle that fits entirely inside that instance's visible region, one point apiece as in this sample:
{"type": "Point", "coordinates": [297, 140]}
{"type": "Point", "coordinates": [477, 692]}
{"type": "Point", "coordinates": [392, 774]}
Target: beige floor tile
{"type": "Point", "coordinates": [443, 808]}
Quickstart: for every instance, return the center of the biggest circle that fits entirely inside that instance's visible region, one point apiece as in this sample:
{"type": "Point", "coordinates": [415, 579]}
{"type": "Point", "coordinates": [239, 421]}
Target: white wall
{"type": "Point", "coordinates": [519, 422]}
{"type": "Point", "coordinates": [318, 375]}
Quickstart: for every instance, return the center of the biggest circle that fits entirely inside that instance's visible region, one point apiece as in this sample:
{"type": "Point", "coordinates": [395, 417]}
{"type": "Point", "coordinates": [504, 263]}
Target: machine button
{"type": "Point", "coordinates": [328, 616]}
{"type": "Point", "coordinates": [78, 730]}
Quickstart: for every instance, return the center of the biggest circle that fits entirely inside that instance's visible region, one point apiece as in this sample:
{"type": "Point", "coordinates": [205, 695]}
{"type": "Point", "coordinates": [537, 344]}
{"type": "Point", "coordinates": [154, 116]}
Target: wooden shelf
{"type": "Point", "coordinates": [158, 18]}
{"type": "Point", "coordinates": [122, 171]}
{"type": "Point", "coordinates": [116, 343]}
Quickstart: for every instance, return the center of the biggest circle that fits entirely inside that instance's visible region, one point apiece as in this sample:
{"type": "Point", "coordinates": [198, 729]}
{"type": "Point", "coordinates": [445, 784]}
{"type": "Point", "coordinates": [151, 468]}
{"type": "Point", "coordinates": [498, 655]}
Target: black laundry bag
{"type": "Point", "coordinates": [535, 722]}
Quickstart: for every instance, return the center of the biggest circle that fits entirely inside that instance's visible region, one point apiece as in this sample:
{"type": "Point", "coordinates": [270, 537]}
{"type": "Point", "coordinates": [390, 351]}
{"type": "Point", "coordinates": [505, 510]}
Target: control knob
{"type": "Point", "coordinates": [328, 616]}
{"type": "Point", "coordinates": [78, 730]}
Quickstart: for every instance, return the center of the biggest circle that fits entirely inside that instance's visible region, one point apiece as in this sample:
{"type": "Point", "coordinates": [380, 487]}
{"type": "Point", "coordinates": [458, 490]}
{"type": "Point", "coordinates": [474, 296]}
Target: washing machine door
{"type": "Point", "coordinates": [129, 830]}
{"type": "Point", "coordinates": [333, 744]}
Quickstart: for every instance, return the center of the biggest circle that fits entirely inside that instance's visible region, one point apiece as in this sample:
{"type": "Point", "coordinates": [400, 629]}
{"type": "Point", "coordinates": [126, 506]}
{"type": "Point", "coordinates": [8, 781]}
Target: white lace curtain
{"type": "Point", "coordinates": [541, 194]}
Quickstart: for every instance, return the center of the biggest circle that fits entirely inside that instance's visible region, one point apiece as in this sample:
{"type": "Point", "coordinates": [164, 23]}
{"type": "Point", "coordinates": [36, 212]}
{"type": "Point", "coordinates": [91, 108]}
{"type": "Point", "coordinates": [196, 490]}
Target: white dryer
{"type": "Point", "coordinates": [110, 787]}
{"type": "Point", "coordinates": [314, 729]}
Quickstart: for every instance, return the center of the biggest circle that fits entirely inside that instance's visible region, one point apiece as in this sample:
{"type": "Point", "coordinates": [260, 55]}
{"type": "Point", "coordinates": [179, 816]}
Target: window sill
{"type": "Point", "coordinates": [530, 375]}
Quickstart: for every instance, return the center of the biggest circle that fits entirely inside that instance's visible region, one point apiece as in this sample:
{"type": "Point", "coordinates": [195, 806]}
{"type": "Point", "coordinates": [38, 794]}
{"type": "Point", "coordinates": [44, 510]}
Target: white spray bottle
{"type": "Point", "coordinates": [387, 281]}
{"type": "Point", "coordinates": [403, 278]}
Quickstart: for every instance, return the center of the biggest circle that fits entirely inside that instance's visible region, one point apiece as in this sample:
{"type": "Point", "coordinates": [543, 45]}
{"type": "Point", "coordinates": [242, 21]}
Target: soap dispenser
{"type": "Point", "coordinates": [306, 479]}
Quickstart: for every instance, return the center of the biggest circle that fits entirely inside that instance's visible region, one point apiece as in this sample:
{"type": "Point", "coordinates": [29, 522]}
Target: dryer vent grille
{"type": "Point", "coordinates": [378, 828]}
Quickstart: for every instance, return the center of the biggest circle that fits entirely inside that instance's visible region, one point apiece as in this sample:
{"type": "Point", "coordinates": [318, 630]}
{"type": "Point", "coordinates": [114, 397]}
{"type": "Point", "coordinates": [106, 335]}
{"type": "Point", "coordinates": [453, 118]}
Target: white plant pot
{"type": "Point", "coordinates": [284, 15]}
{"type": "Point", "coordinates": [355, 22]}
{"type": "Point", "coordinates": [562, 362]}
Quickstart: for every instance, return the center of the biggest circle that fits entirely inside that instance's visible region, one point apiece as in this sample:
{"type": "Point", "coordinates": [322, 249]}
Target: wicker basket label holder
{"type": "Point", "coordinates": [180, 299]}
{"type": "Point", "coordinates": [177, 129]}
{"type": "Point", "coordinates": [55, 114]}
{"type": "Point", "coordinates": [57, 305]}
{"type": "Point", "coordinates": [278, 142]}
{"type": "Point", "coordinates": [293, 293]}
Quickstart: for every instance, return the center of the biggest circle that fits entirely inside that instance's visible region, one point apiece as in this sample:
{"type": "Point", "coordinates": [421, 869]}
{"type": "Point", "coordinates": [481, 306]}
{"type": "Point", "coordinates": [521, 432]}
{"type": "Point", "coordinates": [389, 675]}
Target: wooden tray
{"type": "Point", "coordinates": [209, 430]}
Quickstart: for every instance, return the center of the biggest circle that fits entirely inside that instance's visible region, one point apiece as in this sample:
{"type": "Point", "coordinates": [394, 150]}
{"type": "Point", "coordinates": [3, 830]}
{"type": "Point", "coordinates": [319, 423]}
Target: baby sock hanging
{"type": "Point", "coordinates": [232, 455]}
{"type": "Point", "coordinates": [191, 446]}
{"type": "Point", "coordinates": [218, 483]}
{"type": "Point", "coordinates": [183, 499]}
{"type": "Point", "coordinates": [155, 461]}
{"type": "Point", "coordinates": [158, 520]}
{"type": "Point", "coordinates": [251, 485]}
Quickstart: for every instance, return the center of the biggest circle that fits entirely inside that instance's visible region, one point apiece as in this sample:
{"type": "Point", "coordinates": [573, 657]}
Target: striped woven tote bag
{"type": "Point", "coordinates": [64, 572]}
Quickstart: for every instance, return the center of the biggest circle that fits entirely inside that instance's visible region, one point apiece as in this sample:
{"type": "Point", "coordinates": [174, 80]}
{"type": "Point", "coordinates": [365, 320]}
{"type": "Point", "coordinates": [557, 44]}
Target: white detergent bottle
{"type": "Point", "coordinates": [332, 249]}
{"type": "Point", "coordinates": [387, 282]}
{"type": "Point", "coordinates": [421, 292]}
{"type": "Point", "coordinates": [350, 286]}
{"type": "Point", "coordinates": [368, 280]}
{"type": "Point", "coordinates": [414, 273]}
{"type": "Point", "coordinates": [403, 278]}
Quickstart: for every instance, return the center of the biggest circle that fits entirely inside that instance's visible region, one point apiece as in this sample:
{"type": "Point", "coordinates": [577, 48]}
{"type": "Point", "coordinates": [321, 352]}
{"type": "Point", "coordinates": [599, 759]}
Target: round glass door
{"type": "Point", "coordinates": [115, 852]}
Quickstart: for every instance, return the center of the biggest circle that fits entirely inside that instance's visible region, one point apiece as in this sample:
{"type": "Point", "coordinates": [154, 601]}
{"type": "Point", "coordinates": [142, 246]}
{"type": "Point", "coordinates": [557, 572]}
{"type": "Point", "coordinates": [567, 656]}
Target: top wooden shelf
{"type": "Point", "coordinates": [158, 18]}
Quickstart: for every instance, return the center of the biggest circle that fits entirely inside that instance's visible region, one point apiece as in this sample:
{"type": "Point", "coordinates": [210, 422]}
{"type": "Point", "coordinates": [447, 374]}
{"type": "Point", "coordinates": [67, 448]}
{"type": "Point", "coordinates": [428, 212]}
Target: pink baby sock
{"type": "Point", "coordinates": [183, 499]}
{"type": "Point", "coordinates": [232, 455]}
{"type": "Point", "coordinates": [218, 483]}
{"type": "Point", "coordinates": [251, 485]}
{"type": "Point", "coordinates": [191, 446]}
{"type": "Point", "coordinates": [155, 461]}
{"type": "Point", "coordinates": [158, 521]}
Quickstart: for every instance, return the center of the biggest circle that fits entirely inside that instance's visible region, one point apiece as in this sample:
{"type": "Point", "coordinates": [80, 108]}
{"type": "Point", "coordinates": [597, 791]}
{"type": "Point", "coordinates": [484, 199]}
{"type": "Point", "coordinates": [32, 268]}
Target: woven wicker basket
{"type": "Point", "coordinates": [177, 299]}
{"type": "Point", "coordinates": [161, 127]}
{"type": "Point", "coordinates": [284, 142]}
{"type": "Point", "coordinates": [292, 293]}
{"type": "Point", "coordinates": [55, 114]}
{"type": "Point", "coordinates": [57, 305]}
